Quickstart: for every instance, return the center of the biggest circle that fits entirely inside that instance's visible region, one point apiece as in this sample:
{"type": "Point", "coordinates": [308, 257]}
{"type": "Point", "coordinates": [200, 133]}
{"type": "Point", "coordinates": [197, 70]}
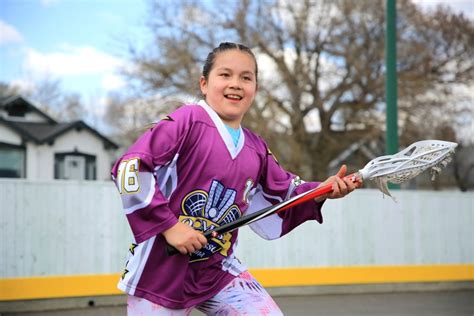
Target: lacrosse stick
{"type": "Point", "coordinates": [397, 168]}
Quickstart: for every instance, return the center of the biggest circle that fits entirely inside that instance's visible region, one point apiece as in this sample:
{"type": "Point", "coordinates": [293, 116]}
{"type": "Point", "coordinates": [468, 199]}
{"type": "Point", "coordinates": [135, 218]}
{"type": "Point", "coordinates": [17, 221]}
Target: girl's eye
{"type": "Point", "coordinates": [224, 75]}
{"type": "Point", "coordinates": [247, 78]}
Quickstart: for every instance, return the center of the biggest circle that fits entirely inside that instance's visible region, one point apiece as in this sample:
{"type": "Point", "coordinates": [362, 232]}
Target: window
{"type": "Point", "coordinates": [74, 166]}
{"type": "Point", "coordinates": [12, 161]}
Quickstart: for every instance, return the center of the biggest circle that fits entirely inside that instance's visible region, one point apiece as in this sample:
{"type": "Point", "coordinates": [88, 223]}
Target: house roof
{"type": "Point", "coordinates": [42, 132]}
{"type": "Point", "coordinates": [21, 103]}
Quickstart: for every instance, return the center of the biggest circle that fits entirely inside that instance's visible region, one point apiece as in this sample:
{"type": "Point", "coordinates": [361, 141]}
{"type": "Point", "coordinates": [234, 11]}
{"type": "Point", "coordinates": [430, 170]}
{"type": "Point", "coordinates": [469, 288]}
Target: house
{"type": "Point", "coordinates": [35, 146]}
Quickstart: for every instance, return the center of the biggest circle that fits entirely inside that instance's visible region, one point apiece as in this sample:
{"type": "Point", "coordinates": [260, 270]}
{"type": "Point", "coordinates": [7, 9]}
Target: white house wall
{"type": "Point", "coordinates": [39, 162]}
{"type": "Point", "coordinates": [33, 117]}
{"type": "Point", "coordinates": [40, 158]}
{"type": "Point", "coordinates": [8, 136]}
{"type": "Point", "coordinates": [86, 142]}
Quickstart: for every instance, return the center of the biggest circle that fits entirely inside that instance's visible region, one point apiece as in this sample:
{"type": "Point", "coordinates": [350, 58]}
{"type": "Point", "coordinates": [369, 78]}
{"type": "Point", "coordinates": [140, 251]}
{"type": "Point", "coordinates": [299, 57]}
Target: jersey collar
{"type": "Point", "coordinates": [224, 133]}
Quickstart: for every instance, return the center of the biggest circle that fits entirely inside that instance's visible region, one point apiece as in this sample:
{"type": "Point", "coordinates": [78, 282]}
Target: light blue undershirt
{"type": "Point", "coordinates": [235, 133]}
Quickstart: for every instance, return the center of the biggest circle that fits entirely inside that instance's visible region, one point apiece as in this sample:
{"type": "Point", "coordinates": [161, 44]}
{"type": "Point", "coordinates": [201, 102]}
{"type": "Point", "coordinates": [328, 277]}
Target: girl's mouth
{"type": "Point", "coordinates": [233, 97]}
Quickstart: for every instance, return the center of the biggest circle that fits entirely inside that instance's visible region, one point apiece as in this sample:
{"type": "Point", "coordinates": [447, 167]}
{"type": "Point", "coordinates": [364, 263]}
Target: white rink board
{"type": "Point", "coordinates": [365, 228]}
{"type": "Point", "coordinates": [73, 227]}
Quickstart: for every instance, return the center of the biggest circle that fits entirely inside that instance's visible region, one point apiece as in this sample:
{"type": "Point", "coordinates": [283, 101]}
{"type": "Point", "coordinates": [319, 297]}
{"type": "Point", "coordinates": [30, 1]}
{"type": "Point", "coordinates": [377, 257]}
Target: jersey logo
{"type": "Point", "coordinates": [270, 153]}
{"type": "Point", "coordinates": [132, 248]}
{"type": "Point", "coordinates": [207, 210]}
{"type": "Point", "coordinates": [247, 192]}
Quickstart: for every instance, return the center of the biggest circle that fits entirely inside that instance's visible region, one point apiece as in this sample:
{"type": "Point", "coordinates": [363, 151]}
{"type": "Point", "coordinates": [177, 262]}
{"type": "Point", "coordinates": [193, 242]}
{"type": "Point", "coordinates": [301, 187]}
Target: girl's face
{"type": "Point", "coordinates": [231, 86]}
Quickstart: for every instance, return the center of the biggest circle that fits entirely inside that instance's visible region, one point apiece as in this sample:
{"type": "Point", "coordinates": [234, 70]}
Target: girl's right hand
{"type": "Point", "coordinates": [184, 238]}
{"type": "Point", "coordinates": [340, 184]}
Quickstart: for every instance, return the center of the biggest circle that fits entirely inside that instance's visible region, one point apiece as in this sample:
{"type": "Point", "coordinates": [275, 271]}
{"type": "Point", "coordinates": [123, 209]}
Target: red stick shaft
{"type": "Point", "coordinates": [325, 189]}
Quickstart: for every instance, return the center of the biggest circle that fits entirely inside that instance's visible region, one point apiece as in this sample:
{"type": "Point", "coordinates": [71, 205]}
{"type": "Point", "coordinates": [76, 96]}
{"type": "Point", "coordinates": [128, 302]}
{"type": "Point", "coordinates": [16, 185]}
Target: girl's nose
{"type": "Point", "coordinates": [235, 83]}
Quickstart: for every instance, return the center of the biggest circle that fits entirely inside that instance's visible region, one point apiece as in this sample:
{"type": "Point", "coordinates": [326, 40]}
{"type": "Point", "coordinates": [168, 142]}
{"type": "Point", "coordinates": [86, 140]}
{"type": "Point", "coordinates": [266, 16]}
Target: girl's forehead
{"type": "Point", "coordinates": [235, 59]}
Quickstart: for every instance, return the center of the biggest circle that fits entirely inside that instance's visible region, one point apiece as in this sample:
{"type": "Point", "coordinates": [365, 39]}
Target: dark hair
{"type": "Point", "coordinates": [211, 57]}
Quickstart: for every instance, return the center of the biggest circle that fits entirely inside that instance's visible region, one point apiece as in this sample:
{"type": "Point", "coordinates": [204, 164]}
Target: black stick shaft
{"type": "Point", "coordinates": [250, 218]}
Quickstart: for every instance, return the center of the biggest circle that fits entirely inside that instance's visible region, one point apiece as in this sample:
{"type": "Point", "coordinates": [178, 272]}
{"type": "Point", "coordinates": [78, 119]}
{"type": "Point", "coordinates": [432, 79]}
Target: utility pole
{"type": "Point", "coordinates": [391, 136]}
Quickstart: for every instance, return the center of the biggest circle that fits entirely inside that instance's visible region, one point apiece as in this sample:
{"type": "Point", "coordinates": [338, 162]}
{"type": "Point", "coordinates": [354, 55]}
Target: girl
{"type": "Point", "coordinates": [197, 169]}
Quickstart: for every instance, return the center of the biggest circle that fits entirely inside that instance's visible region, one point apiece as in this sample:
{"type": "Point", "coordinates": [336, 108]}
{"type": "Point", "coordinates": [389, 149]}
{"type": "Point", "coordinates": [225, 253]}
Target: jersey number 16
{"type": "Point", "coordinates": [127, 176]}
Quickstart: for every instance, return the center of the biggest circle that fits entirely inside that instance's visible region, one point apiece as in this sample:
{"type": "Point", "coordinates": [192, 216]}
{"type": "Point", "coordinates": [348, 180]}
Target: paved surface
{"type": "Point", "coordinates": [439, 303]}
{"type": "Point", "coordinates": [403, 304]}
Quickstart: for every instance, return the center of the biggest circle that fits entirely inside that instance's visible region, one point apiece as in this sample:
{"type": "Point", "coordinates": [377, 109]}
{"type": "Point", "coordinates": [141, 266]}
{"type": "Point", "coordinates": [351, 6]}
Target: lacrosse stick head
{"type": "Point", "coordinates": [408, 163]}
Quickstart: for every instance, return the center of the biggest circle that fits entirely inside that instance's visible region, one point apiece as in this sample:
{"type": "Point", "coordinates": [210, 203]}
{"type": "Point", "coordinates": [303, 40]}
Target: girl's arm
{"type": "Point", "coordinates": [276, 185]}
{"type": "Point", "coordinates": [143, 174]}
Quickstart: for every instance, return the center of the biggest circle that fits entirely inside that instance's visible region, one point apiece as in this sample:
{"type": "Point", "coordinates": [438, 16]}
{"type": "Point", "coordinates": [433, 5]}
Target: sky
{"type": "Point", "coordinates": [81, 43]}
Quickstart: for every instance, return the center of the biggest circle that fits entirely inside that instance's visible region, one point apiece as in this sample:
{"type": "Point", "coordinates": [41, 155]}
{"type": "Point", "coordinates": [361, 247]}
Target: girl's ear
{"type": "Point", "coordinates": [203, 85]}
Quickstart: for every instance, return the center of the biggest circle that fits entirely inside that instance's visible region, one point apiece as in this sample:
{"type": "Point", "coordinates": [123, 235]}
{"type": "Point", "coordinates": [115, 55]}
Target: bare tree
{"type": "Point", "coordinates": [133, 115]}
{"type": "Point", "coordinates": [7, 90]}
{"type": "Point", "coordinates": [71, 108]}
{"type": "Point", "coordinates": [321, 67]}
{"type": "Point", "coordinates": [52, 99]}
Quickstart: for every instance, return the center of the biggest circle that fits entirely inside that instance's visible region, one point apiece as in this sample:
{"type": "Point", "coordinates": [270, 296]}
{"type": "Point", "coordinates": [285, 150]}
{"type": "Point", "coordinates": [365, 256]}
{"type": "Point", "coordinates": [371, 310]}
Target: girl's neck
{"type": "Point", "coordinates": [235, 124]}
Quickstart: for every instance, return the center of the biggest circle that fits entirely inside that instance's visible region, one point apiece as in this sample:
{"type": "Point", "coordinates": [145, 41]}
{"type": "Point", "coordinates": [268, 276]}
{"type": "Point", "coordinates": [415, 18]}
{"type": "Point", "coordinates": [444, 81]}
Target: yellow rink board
{"type": "Point", "coordinates": [105, 284]}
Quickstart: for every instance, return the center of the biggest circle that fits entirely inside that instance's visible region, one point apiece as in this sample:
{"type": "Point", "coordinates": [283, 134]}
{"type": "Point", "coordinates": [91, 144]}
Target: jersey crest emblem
{"type": "Point", "coordinates": [207, 210]}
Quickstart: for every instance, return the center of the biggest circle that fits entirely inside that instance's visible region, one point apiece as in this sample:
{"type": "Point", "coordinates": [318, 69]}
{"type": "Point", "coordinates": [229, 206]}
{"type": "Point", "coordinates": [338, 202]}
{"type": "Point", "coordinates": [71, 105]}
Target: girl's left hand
{"type": "Point", "coordinates": [341, 186]}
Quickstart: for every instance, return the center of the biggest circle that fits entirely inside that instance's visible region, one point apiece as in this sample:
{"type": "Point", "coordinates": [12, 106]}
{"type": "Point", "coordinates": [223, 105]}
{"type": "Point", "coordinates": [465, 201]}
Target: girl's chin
{"type": "Point", "coordinates": [231, 120]}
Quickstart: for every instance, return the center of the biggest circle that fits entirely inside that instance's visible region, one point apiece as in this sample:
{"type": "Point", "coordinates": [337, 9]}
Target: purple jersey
{"type": "Point", "coordinates": [187, 168]}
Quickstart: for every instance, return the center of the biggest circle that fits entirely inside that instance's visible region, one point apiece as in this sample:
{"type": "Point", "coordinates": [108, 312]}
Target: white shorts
{"type": "Point", "coordinates": [243, 296]}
